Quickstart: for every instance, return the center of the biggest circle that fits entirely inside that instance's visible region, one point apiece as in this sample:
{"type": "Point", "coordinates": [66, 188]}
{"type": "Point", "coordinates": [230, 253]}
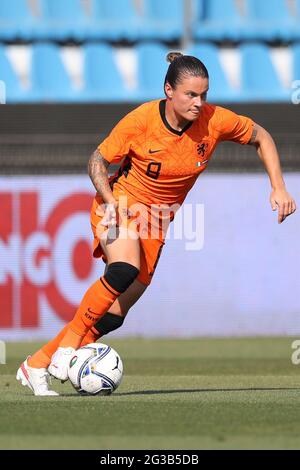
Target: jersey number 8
{"type": "Point", "coordinates": [153, 170]}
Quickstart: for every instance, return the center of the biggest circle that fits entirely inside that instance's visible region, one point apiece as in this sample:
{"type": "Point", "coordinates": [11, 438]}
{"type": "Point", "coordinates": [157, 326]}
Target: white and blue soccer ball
{"type": "Point", "coordinates": [95, 369]}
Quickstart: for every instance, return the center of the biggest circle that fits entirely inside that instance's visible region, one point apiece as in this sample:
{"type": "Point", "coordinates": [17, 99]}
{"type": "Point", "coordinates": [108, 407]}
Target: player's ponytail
{"type": "Point", "coordinates": [172, 56]}
{"type": "Point", "coordinates": [182, 66]}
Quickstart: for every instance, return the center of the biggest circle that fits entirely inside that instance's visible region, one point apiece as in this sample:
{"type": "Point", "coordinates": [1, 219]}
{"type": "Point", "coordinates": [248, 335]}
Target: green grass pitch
{"type": "Point", "coordinates": [176, 394]}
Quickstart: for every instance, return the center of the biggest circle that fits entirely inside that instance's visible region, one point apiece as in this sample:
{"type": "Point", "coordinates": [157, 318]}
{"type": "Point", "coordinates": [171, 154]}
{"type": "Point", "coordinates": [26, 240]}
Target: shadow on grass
{"type": "Point", "coordinates": [205, 390]}
{"type": "Point", "coordinates": [187, 390]}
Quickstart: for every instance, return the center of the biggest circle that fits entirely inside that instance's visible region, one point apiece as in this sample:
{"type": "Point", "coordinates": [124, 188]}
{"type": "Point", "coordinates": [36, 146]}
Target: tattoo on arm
{"type": "Point", "coordinates": [252, 141]}
{"type": "Point", "coordinates": [97, 168]}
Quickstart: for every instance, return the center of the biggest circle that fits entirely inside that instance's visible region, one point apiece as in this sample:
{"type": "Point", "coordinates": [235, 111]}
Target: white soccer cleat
{"type": "Point", "coordinates": [60, 363]}
{"type": "Point", "coordinates": [36, 379]}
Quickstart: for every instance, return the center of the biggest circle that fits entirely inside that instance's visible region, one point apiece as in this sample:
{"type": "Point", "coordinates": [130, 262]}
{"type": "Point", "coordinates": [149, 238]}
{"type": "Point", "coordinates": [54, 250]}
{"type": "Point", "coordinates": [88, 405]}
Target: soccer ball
{"type": "Point", "coordinates": [95, 369]}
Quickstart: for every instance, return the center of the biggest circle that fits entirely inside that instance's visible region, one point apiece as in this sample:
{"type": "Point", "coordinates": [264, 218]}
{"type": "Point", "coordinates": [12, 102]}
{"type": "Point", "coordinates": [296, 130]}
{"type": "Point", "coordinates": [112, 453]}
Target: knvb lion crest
{"type": "Point", "coordinates": [201, 149]}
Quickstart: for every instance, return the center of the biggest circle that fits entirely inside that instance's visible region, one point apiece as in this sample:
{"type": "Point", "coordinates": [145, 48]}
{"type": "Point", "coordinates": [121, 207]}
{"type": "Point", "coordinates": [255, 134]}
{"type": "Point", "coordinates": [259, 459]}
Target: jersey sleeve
{"type": "Point", "coordinates": [118, 143]}
{"type": "Point", "coordinates": [234, 127]}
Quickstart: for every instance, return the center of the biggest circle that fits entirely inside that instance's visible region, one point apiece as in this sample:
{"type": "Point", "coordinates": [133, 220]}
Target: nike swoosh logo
{"type": "Point", "coordinates": [91, 311]}
{"type": "Point", "coordinates": [154, 151]}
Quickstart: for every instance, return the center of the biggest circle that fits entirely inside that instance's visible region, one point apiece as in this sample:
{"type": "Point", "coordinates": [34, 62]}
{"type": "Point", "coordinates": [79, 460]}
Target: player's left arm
{"type": "Point", "coordinates": [267, 152]}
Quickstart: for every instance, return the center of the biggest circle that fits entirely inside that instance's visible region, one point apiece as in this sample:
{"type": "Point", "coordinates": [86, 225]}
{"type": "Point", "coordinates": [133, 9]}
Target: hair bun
{"type": "Point", "coordinates": [171, 56]}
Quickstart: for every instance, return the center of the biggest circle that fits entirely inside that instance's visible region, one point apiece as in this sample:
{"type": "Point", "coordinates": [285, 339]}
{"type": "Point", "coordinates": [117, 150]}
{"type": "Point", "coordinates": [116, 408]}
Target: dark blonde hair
{"type": "Point", "coordinates": [182, 66]}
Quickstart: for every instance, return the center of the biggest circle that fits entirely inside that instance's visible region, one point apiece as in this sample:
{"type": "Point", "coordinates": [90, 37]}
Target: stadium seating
{"type": "Point", "coordinates": [269, 20]}
{"type": "Point", "coordinates": [217, 20]}
{"type": "Point", "coordinates": [103, 81]}
{"type": "Point", "coordinates": [162, 20]}
{"type": "Point", "coordinates": [14, 91]}
{"type": "Point", "coordinates": [61, 20]}
{"type": "Point", "coordinates": [296, 29]}
{"type": "Point", "coordinates": [152, 68]}
{"type": "Point", "coordinates": [219, 86]}
{"type": "Point", "coordinates": [49, 78]}
{"type": "Point", "coordinates": [296, 62]}
{"type": "Point", "coordinates": [259, 80]}
{"type": "Point", "coordinates": [147, 26]}
{"type": "Point", "coordinates": [113, 20]}
{"type": "Point", "coordinates": [16, 20]}
{"type": "Point", "coordinates": [295, 91]}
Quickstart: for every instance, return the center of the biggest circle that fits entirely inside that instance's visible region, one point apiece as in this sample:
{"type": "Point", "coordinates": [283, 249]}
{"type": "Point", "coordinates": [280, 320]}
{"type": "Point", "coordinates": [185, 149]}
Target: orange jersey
{"type": "Point", "coordinates": [162, 164]}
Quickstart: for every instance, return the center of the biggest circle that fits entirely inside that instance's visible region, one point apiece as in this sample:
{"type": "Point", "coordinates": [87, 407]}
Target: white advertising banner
{"type": "Point", "coordinates": [228, 267]}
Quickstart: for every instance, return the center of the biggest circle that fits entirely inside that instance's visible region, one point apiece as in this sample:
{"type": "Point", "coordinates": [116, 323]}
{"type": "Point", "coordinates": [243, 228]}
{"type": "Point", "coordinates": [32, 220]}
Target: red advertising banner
{"type": "Point", "coordinates": [45, 251]}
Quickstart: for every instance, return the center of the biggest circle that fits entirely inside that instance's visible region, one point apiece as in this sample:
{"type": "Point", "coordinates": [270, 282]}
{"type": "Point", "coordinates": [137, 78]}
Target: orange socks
{"type": "Point", "coordinates": [95, 303]}
{"type": "Point", "coordinates": [39, 360]}
{"type": "Point", "coordinates": [91, 337]}
{"type": "Point", "coordinates": [42, 358]}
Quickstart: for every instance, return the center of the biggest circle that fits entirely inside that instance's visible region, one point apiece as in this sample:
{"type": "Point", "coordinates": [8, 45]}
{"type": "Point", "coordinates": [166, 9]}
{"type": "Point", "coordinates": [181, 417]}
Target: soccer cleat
{"type": "Point", "coordinates": [36, 379]}
{"type": "Point", "coordinates": [60, 361]}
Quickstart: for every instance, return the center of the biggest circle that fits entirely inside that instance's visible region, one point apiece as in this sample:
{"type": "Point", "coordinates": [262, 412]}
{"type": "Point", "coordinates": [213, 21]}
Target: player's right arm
{"type": "Point", "coordinates": [113, 149]}
{"type": "Point", "coordinates": [97, 168]}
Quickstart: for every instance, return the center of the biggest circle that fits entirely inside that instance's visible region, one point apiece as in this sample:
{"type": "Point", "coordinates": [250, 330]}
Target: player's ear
{"type": "Point", "coordinates": [168, 90]}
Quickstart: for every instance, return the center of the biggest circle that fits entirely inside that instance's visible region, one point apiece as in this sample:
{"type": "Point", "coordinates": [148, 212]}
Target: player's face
{"type": "Point", "coordinates": [188, 97]}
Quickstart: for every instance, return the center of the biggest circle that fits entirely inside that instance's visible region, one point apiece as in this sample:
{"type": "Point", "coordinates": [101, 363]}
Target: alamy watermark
{"type": "Point", "coordinates": [2, 352]}
{"type": "Point", "coordinates": [132, 221]}
{"type": "Point", "coordinates": [295, 358]}
{"type": "Point", "coordinates": [296, 93]}
{"type": "Point", "coordinates": [2, 92]}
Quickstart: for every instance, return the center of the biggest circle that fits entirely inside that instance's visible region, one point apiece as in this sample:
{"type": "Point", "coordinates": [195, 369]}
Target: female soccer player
{"type": "Point", "coordinates": [164, 145]}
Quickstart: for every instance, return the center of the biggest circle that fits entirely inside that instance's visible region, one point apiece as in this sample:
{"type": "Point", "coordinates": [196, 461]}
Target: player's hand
{"type": "Point", "coordinates": [110, 215]}
{"type": "Point", "coordinates": [281, 200]}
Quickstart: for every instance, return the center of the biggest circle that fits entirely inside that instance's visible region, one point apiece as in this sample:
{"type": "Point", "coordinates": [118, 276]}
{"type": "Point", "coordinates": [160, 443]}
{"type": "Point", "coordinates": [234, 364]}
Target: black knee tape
{"type": "Point", "coordinates": [109, 322]}
{"type": "Point", "coordinates": [120, 275]}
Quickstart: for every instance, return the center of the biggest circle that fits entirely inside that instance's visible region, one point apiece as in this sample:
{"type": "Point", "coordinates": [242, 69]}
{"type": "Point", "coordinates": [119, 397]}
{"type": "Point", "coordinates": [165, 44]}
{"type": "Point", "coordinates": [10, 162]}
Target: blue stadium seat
{"type": "Point", "coordinates": [14, 91]}
{"type": "Point", "coordinates": [103, 81]}
{"type": "Point", "coordinates": [269, 20]}
{"type": "Point", "coordinates": [259, 79]}
{"type": "Point", "coordinates": [152, 68]}
{"type": "Point", "coordinates": [113, 20]}
{"type": "Point", "coordinates": [296, 29]}
{"type": "Point", "coordinates": [295, 90]}
{"type": "Point", "coordinates": [296, 62]}
{"type": "Point", "coordinates": [49, 78]}
{"type": "Point", "coordinates": [162, 19]}
{"type": "Point", "coordinates": [219, 86]}
{"type": "Point", "coordinates": [16, 20]}
{"type": "Point", "coordinates": [62, 20]}
{"type": "Point", "coordinates": [217, 20]}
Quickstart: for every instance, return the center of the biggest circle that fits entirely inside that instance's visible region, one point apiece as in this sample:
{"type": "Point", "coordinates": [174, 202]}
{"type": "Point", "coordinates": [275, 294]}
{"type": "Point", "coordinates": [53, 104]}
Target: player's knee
{"type": "Point", "coordinates": [120, 275]}
{"type": "Point", "coordinates": [109, 322]}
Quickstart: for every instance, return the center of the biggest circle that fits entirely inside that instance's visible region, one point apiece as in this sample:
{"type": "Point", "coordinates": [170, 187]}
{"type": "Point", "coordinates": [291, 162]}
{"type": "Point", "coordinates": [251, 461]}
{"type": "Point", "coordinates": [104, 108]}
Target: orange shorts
{"type": "Point", "coordinates": [131, 218]}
